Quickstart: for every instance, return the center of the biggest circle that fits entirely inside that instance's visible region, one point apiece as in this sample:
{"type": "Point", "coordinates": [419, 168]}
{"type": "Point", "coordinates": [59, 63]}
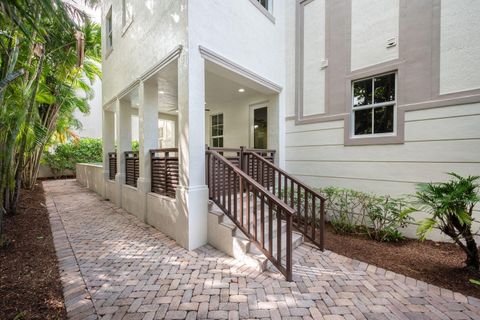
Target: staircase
{"type": "Point", "coordinates": [254, 207]}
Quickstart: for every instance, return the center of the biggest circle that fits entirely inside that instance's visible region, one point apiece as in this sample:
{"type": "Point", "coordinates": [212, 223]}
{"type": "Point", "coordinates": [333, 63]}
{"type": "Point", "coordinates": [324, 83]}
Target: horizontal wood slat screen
{"type": "Point", "coordinates": [131, 168]}
{"type": "Point", "coordinates": [164, 166]}
{"type": "Point", "coordinates": [112, 165]}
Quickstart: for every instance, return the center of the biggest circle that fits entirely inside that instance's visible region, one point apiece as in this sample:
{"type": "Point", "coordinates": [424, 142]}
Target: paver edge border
{"type": "Point", "coordinates": [78, 302]}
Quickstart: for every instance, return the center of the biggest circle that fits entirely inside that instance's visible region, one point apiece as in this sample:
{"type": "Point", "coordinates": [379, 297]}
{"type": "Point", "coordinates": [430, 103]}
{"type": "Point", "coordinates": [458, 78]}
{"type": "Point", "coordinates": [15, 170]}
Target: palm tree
{"type": "Point", "coordinates": [49, 50]}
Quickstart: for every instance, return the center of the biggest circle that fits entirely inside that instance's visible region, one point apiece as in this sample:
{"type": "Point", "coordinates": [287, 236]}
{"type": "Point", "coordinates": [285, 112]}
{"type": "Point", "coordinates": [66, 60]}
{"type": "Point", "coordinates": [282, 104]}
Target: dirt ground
{"type": "Point", "coordinates": [30, 286]}
{"type": "Point", "coordinates": [441, 264]}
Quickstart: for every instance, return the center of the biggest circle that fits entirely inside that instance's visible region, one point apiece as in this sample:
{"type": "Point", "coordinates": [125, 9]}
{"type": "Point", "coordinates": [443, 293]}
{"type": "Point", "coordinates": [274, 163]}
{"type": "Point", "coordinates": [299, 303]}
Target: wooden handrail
{"type": "Point", "coordinates": [227, 187]}
{"type": "Point", "coordinates": [293, 192]}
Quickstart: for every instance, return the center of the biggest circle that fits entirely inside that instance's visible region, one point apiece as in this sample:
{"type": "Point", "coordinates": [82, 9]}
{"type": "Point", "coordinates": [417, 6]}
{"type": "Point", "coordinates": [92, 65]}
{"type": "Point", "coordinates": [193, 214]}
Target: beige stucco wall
{"type": "Point", "coordinates": [91, 176]}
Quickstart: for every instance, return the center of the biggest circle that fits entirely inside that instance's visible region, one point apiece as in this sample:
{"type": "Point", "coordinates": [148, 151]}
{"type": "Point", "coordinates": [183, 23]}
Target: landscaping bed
{"type": "Point", "coordinates": [30, 286]}
{"type": "Point", "coordinates": [441, 264]}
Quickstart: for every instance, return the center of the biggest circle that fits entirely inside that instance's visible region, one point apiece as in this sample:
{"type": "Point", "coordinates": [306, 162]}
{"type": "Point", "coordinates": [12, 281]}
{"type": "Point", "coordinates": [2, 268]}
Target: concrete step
{"type": "Point", "coordinates": [225, 236]}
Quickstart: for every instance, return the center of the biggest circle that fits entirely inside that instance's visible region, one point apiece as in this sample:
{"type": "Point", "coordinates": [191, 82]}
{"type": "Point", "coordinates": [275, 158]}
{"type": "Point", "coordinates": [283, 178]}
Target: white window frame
{"type": "Point", "coordinates": [266, 12]}
{"type": "Point", "coordinates": [211, 129]}
{"type": "Point", "coordinates": [109, 31]}
{"type": "Point", "coordinates": [374, 106]}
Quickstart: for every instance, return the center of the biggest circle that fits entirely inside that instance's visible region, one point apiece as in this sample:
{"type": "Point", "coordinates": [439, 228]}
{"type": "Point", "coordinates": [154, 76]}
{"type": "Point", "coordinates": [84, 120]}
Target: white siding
{"type": "Point", "coordinates": [459, 45]}
{"type": "Point", "coordinates": [437, 141]}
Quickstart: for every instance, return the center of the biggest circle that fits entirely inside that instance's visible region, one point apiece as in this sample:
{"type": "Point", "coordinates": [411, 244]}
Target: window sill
{"type": "Point", "coordinates": [265, 12]}
{"type": "Point", "coordinates": [373, 140]}
{"type": "Point", "coordinates": [127, 26]}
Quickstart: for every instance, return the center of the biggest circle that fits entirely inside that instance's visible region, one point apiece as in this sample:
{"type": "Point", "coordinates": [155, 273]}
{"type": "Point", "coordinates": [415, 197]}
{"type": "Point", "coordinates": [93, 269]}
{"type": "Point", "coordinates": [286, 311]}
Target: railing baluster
{"type": "Point", "coordinates": [279, 235]}
{"type": "Point", "coordinates": [262, 222]}
{"type": "Point", "coordinates": [241, 201]}
{"type": "Point", "coordinates": [248, 208]}
{"type": "Point", "coordinates": [270, 227]}
{"type": "Point", "coordinates": [313, 218]}
{"type": "Point", "coordinates": [305, 222]}
{"type": "Point", "coordinates": [289, 248]}
{"type": "Point", "coordinates": [254, 193]}
{"type": "Point", "coordinates": [229, 186]}
{"type": "Point", "coordinates": [235, 195]}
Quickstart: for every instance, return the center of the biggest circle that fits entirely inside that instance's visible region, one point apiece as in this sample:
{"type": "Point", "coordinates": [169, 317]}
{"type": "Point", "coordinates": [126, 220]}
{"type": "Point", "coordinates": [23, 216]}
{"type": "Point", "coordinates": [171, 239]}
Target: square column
{"type": "Point", "coordinates": [123, 128]}
{"type": "Point", "coordinates": [192, 194]}
{"type": "Point", "coordinates": [108, 138]}
{"type": "Point", "coordinates": [148, 139]}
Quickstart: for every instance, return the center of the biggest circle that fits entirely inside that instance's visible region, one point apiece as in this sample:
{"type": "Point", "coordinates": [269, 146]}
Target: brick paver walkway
{"type": "Point", "coordinates": [132, 271]}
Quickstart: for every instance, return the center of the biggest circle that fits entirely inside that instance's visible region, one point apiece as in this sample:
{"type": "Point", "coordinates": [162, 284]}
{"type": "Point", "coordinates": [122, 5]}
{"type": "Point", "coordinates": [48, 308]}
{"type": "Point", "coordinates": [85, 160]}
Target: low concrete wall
{"type": "Point", "coordinates": [111, 191]}
{"type": "Point", "coordinates": [90, 175]}
{"type": "Point", "coordinates": [44, 171]}
{"type": "Point", "coordinates": [163, 214]}
{"type": "Point", "coordinates": [133, 201]}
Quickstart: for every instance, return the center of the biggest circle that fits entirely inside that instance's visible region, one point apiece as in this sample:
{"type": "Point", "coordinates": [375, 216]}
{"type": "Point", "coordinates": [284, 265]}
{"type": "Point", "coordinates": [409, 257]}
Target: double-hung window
{"type": "Point", "coordinates": [374, 106]}
{"type": "Point", "coordinates": [109, 30]}
{"type": "Point", "coordinates": [217, 130]}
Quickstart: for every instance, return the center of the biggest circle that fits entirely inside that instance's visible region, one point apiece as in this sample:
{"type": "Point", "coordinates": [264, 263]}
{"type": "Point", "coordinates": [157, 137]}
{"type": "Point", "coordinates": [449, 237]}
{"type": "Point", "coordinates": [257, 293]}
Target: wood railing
{"type": "Point", "coordinates": [131, 168]}
{"type": "Point", "coordinates": [164, 166]}
{"type": "Point", "coordinates": [112, 165]}
{"type": "Point", "coordinates": [309, 205]}
{"type": "Point", "coordinates": [253, 209]}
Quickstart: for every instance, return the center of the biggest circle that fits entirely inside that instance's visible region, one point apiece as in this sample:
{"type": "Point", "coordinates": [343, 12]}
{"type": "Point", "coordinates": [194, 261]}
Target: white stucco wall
{"type": "Point", "coordinates": [92, 122]}
{"type": "Point", "coordinates": [459, 45]}
{"type": "Point", "coordinates": [314, 57]}
{"type": "Point", "coordinates": [157, 28]}
{"type": "Point", "coordinates": [373, 23]}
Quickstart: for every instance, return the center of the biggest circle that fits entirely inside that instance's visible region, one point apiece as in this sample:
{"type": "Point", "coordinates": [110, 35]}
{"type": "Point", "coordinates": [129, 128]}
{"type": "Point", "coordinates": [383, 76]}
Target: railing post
{"type": "Point", "coordinates": [289, 248]}
{"type": "Point", "coordinates": [242, 158]}
{"type": "Point", "coordinates": [322, 224]}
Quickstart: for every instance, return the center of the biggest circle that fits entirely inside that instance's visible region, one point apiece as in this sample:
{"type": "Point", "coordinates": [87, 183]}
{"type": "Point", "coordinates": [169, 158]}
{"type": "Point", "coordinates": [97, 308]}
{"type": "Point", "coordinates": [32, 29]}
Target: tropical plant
{"type": "Point", "coordinates": [49, 51]}
{"type": "Point", "coordinates": [64, 157]}
{"type": "Point", "coordinates": [450, 206]}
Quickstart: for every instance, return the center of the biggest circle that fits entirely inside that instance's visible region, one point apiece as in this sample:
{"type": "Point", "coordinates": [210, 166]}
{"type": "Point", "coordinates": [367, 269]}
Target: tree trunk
{"type": "Point", "coordinates": [23, 140]}
{"type": "Point", "coordinates": [473, 259]}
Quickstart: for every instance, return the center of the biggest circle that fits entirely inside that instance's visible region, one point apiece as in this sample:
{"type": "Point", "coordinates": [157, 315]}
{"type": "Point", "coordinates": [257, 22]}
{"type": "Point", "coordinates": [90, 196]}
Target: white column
{"type": "Point", "coordinates": [124, 142]}
{"type": "Point", "coordinates": [192, 195]}
{"type": "Point", "coordinates": [148, 139]}
{"type": "Point", "coordinates": [108, 139]}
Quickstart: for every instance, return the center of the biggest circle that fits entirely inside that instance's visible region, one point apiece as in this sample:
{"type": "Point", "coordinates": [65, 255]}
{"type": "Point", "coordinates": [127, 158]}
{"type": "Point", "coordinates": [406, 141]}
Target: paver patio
{"type": "Point", "coordinates": [116, 267]}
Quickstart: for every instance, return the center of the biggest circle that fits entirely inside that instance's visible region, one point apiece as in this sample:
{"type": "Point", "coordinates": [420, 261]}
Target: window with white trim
{"type": "Point", "coordinates": [109, 30]}
{"type": "Point", "coordinates": [217, 130]}
{"type": "Point", "coordinates": [374, 105]}
{"type": "Point", "coordinates": [267, 4]}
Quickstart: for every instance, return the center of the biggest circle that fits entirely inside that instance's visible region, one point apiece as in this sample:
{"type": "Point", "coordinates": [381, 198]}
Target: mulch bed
{"type": "Point", "coordinates": [30, 286]}
{"type": "Point", "coordinates": [441, 264]}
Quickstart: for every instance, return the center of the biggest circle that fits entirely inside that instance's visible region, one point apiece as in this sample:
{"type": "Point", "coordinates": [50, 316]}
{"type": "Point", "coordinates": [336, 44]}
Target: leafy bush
{"type": "Point", "coordinates": [352, 211]}
{"type": "Point", "coordinates": [356, 212]}
{"type": "Point", "coordinates": [450, 205]}
{"type": "Point", "coordinates": [65, 156]}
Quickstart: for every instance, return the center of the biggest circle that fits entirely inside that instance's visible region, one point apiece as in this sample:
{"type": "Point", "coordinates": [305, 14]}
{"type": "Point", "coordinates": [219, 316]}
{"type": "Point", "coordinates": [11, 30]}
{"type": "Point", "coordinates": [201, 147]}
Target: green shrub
{"type": "Point", "coordinates": [351, 211]}
{"type": "Point", "coordinates": [67, 155]}
{"type": "Point", "coordinates": [356, 212]}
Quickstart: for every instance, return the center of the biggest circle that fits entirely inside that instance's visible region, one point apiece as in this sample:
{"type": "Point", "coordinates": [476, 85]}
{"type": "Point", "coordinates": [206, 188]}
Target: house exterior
{"type": "Point", "coordinates": [371, 95]}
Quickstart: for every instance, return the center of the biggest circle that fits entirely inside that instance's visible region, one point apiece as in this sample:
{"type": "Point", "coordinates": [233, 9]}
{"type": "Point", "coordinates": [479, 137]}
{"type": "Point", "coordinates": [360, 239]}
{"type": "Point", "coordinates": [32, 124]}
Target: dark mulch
{"type": "Point", "coordinates": [30, 286]}
{"type": "Point", "coordinates": [441, 264]}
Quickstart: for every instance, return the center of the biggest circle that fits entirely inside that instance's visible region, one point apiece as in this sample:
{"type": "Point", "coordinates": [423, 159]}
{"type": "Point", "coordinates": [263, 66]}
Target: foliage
{"type": "Point", "coordinates": [474, 281]}
{"type": "Point", "coordinates": [450, 206]}
{"type": "Point", "coordinates": [352, 211]}
{"type": "Point", "coordinates": [135, 145]}
{"type": "Point", "coordinates": [65, 156]}
{"type": "Point", "coordinates": [49, 55]}
{"type": "Point", "coordinates": [356, 212]}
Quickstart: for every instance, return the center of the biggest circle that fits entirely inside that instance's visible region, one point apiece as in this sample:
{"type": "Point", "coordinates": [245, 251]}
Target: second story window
{"type": "Point", "coordinates": [373, 105]}
{"type": "Point", "coordinates": [109, 30]}
{"type": "Point", "coordinates": [267, 4]}
{"type": "Point", "coordinates": [217, 130]}
{"type": "Point", "coordinates": [126, 13]}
